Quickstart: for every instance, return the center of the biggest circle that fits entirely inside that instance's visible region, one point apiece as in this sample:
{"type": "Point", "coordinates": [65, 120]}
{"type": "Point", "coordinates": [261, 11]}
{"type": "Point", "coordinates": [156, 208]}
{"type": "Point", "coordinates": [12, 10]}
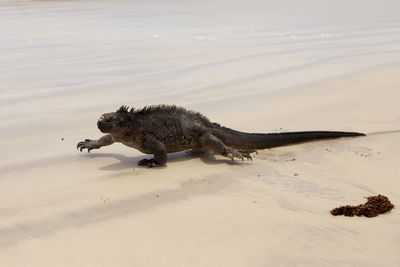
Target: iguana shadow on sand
{"type": "Point", "coordinates": [165, 129]}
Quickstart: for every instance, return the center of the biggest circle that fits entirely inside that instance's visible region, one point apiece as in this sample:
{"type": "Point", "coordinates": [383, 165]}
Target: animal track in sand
{"type": "Point", "coordinates": [288, 156]}
{"type": "Point", "coordinates": [364, 151]}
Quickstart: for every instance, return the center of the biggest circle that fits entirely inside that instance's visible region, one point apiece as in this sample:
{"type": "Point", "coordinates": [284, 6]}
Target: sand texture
{"type": "Point", "coordinates": [254, 66]}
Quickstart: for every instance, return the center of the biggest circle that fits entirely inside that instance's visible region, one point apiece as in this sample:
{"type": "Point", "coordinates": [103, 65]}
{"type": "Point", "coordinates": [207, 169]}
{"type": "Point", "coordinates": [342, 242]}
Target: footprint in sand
{"type": "Point", "coordinates": [363, 151]}
{"type": "Point", "coordinates": [277, 157]}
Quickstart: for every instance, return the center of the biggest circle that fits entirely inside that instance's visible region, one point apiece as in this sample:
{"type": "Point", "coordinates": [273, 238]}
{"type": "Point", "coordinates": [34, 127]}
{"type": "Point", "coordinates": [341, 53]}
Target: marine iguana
{"type": "Point", "coordinates": [164, 129]}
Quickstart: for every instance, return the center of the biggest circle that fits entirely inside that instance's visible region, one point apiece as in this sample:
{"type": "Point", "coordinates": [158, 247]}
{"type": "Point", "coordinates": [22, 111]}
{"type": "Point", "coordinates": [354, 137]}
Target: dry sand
{"type": "Point", "coordinates": [60, 207]}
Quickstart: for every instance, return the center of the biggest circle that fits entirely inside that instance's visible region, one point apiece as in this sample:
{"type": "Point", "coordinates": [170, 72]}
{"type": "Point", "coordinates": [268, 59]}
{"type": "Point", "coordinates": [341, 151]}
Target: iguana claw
{"type": "Point", "coordinates": [87, 144]}
{"type": "Point", "coordinates": [240, 153]}
{"type": "Point", "coordinates": [146, 162]}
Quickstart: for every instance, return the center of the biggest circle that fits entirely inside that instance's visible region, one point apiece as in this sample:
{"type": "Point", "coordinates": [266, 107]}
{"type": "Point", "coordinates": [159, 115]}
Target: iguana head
{"type": "Point", "coordinates": [113, 122]}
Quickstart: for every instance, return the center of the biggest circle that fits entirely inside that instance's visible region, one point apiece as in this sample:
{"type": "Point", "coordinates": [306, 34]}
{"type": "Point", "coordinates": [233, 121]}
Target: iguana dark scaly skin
{"type": "Point", "coordinates": [164, 129]}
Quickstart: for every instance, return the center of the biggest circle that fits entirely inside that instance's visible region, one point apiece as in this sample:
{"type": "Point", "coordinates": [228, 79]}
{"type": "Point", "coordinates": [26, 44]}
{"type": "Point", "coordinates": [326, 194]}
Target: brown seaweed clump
{"type": "Point", "coordinates": [373, 207]}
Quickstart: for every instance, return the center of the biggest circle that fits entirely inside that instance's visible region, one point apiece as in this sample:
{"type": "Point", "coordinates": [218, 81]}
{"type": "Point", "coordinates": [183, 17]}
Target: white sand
{"type": "Point", "coordinates": [280, 67]}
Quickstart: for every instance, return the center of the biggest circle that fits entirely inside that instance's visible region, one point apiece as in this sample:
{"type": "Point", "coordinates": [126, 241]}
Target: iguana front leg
{"type": "Point", "coordinates": [88, 144]}
{"type": "Point", "coordinates": [155, 147]}
{"type": "Point", "coordinates": [212, 143]}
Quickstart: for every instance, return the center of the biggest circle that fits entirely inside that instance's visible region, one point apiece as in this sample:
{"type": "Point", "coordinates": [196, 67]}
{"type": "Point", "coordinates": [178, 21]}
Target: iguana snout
{"type": "Point", "coordinates": [107, 122]}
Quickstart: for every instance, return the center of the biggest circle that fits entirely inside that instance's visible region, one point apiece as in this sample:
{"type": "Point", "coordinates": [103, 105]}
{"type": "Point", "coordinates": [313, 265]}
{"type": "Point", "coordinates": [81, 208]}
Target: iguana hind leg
{"type": "Point", "coordinates": [212, 143]}
{"type": "Point", "coordinates": [158, 149]}
{"type": "Point", "coordinates": [88, 144]}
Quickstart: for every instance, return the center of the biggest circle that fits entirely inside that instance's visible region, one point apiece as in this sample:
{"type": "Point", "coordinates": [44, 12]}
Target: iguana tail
{"type": "Point", "coordinates": [240, 140]}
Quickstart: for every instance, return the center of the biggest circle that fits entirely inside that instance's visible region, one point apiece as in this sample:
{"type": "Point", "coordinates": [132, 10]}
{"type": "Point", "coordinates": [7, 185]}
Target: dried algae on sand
{"type": "Point", "coordinates": [373, 207]}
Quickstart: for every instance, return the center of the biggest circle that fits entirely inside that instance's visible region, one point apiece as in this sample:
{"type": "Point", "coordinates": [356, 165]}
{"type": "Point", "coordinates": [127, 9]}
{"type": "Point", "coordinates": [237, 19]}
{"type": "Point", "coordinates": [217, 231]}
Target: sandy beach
{"type": "Point", "coordinates": [280, 67]}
